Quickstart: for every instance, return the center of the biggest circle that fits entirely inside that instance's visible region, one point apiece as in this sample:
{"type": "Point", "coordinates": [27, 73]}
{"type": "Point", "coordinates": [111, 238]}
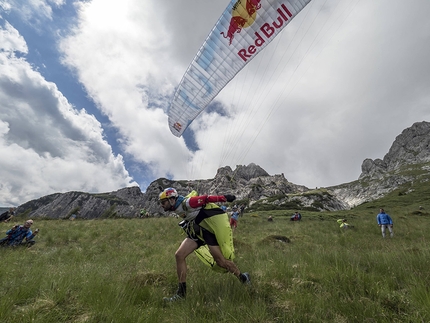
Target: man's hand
{"type": "Point", "coordinates": [230, 198]}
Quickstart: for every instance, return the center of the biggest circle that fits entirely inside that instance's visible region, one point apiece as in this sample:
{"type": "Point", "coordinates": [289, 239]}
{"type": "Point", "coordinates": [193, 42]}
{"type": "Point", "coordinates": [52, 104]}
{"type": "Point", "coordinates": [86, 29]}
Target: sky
{"type": "Point", "coordinates": [85, 87]}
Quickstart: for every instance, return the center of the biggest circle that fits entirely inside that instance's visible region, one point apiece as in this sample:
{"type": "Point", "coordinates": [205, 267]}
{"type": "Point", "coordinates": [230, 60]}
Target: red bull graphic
{"type": "Point", "coordinates": [177, 126]}
{"type": "Point", "coordinates": [267, 30]}
{"type": "Point", "coordinates": [252, 6]}
{"type": "Point", "coordinates": [241, 17]}
{"type": "Point", "coordinates": [244, 28]}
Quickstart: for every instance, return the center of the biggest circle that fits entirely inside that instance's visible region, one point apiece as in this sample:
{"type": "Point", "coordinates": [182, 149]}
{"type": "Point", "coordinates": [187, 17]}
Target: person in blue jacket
{"type": "Point", "coordinates": [19, 233]}
{"type": "Point", "coordinates": [385, 222]}
{"type": "Point", "coordinates": [234, 218]}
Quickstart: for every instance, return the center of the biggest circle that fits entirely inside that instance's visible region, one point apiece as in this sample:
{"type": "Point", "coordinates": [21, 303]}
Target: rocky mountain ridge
{"type": "Point", "coordinates": [253, 186]}
{"type": "Point", "coordinates": [381, 176]}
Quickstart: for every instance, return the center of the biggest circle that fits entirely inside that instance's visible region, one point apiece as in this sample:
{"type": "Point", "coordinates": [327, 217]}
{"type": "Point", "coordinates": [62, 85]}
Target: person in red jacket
{"type": "Point", "coordinates": [205, 224]}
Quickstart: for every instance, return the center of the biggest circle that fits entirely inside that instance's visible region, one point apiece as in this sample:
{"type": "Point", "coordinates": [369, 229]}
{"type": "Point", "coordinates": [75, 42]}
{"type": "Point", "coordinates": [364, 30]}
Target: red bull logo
{"type": "Point", "coordinates": [243, 15]}
{"type": "Point", "coordinates": [266, 32]}
{"type": "Point", "coordinates": [177, 126]}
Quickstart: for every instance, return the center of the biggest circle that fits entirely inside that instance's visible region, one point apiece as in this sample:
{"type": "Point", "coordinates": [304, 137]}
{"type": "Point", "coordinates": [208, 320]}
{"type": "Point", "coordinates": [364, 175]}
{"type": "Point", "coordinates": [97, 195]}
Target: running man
{"type": "Point", "coordinates": [205, 224]}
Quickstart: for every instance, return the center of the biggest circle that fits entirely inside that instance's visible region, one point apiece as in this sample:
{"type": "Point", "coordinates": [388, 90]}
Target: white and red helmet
{"type": "Point", "coordinates": [168, 193]}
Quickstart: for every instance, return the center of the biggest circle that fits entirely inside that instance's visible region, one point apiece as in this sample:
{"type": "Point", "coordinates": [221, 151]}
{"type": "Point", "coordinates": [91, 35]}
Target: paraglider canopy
{"type": "Point", "coordinates": [242, 31]}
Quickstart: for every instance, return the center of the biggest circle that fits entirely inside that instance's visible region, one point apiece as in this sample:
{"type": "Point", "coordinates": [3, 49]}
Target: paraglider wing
{"type": "Point", "coordinates": [242, 31]}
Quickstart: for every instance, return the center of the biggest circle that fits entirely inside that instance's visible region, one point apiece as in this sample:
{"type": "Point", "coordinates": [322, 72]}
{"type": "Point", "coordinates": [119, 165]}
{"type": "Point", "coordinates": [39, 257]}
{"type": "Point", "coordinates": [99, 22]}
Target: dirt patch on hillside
{"type": "Point", "coordinates": [277, 238]}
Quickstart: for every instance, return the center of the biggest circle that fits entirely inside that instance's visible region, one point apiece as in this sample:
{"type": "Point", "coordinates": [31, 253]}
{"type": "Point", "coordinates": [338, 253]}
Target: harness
{"type": "Point", "coordinates": [192, 230]}
{"type": "Point", "coordinates": [191, 227]}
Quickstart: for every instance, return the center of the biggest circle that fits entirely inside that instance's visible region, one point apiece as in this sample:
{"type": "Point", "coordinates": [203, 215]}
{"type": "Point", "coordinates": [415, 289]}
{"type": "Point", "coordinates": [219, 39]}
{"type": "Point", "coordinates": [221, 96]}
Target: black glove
{"type": "Point", "coordinates": [230, 198]}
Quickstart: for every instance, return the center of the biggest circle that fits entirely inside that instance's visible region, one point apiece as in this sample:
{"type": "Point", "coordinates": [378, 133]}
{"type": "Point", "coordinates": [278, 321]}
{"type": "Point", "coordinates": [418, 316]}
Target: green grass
{"type": "Point", "coordinates": [118, 270]}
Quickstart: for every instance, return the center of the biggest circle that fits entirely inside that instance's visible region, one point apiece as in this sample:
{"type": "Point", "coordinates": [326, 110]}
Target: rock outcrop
{"type": "Point", "coordinates": [412, 146]}
{"type": "Point", "coordinates": [125, 202]}
{"type": "Point", "coordinates": [381, 176]}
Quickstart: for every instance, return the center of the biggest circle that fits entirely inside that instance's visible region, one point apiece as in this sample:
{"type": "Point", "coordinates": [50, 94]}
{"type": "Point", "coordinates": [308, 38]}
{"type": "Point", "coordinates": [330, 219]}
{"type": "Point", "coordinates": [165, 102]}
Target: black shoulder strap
{"type": "Point", "coordinates": [207, 213]}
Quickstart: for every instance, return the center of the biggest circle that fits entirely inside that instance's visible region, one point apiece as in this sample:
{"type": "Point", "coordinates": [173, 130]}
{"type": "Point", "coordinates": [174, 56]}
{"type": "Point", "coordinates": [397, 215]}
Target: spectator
{"type": "Point", "coordinates": [19, 233]}
{"type": "Point", "coordinates": [8, 215]}
{"type": "Point", "coordinates": [234, 218]}
{"type": "Point", "coordinates": [223, 207]}
{"type": "Point", "coordinates": [142, 213]}
{"type": "Point", "coordinates": [241, 209]}
{"type": "Point", "coordinates": [385, 222]}
{"type": "Point", "coordinates": [296, 217]}
{"type": "Point", "coordinates": [343, 224]}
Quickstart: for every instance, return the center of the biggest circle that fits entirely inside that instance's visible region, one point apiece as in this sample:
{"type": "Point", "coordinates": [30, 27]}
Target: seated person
{"type": "Point", "coordinates": [296, 217]}
{"type": "Point", "coordinates": [343, 224]}
{"type": "Point", "coordinates": [16, 235]}
{"type": "Point", "coordinates": [8, 215]}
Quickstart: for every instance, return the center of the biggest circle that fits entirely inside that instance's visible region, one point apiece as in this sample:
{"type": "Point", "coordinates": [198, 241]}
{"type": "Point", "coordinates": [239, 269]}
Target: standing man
{"type": "Point", "coordinates": [234, 218]}
{"type": "Point", "coordinates": [385, 222]}
{"type": "Point", "coordinates": [205, 223]}
{"type": "Point", "coordinates": [142, 213]}
{"type": "Point", "coordinates": [241, 209]}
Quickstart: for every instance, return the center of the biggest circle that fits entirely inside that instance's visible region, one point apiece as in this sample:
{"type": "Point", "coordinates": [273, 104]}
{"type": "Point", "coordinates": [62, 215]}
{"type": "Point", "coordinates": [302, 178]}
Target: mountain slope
{"type": "Point", "coordinates": [406, 165]}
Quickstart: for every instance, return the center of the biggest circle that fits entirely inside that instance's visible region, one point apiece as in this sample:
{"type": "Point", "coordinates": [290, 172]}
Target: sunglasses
{"type": "Point", "coordinates": [162, 202]}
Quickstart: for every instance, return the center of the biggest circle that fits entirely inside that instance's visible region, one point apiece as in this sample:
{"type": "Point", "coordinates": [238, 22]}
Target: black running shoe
{"type": "Point", "coordinates": [246, 279]}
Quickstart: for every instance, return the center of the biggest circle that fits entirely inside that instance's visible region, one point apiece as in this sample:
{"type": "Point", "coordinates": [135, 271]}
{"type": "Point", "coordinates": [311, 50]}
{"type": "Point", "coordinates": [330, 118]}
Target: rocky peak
{"type": "Point", "coordinates": [241, 172]}
{"type": "Point", "coordinates": [249, 172]}
{"type": "Point", "coordinates": [224, 171]}
{"type": "Point", "coordinates": [381, 176]}
{"type": "Point", "coordinates": [412, 146]}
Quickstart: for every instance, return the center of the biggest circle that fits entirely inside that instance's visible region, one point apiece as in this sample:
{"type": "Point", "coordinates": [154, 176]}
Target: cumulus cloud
{"type": "Point", "coordinates": [127, 70]}
{"type": "Point", "coordinates": [11, 41]}
{"type": "Point", "coordinates": [47, 145]}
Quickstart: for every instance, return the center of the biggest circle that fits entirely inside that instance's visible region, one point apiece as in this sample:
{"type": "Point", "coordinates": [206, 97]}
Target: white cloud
{"type": "Point", "coordinates": [47, 145]}
{"type": "Point", "coordinates": [33, 12]}
{"type": "Point", "coordinates": [126, 68]}
{"type": "Point", "coordinates": [11, 40]}
{"type": "Point", "coordinates": [57, 3]}
{"type": "Point", "coordinates": [332, 84]}
{"type": "Point", "coordinates": [5, 6]}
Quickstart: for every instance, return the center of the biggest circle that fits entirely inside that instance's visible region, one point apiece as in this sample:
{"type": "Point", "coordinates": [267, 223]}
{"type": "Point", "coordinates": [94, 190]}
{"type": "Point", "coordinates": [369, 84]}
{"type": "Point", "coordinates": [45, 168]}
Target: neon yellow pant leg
{"type": "Point", "coordinates": [218, 225]}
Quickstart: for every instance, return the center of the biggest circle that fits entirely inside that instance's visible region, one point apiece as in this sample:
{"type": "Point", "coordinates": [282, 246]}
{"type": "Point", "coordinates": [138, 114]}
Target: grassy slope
{"type": "Point", "coordinates": [119, 270]}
